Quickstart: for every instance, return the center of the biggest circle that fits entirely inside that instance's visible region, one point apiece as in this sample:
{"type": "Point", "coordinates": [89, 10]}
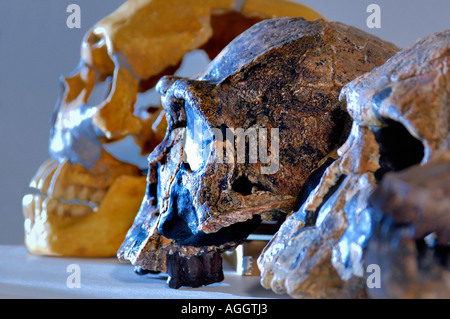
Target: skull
{"type": "Point", "coordinates": [410, 233]}
{"type": "Point", "coordinates": [411, 228]}
{"type": "Point", "coordinates": [400, 114]}
{"type": "Point", "coordinates": [204, 194]}
{"type": "Point", "coordinates": [122, 56]}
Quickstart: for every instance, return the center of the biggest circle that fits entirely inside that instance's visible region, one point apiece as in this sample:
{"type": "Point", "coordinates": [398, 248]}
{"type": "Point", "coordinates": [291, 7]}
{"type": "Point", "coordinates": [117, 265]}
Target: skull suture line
{"type": "Point", "coordinates": [86, 199]}
{"type": "Point", "coordinates": [401, 118]}
{"type": "Point", "coordinates": [284, 74]}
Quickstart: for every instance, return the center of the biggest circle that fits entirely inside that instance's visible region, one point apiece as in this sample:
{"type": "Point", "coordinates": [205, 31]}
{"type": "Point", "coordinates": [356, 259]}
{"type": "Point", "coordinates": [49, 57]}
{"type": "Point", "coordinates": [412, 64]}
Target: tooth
{"type": "Point", "coordinates": [51, 206]}
{"type": "Point", "coordinates": [98, 195]}
{"type": "Point", "coordinates": [84, 193]}
{"type": "Point", "coordinates": [71, 192]}
{"type": "Point", "coordinates": [28, 207]}
{"type": "Point", "coordinates": [57, 188]}
{"type": "Point", "coordinates": [28, 225]}
{"type": "Point", "coordinates": [78, 210]}
{"type": "Point", "coordinates": [58, 183]}
{"type": "Point", "coordinates": [41, 180]}
{"type": "Point", "coordinates": [38, 199]}
{"type": "Point", "coordinates": [44, 183]}
{"type": "Point", "coordinates": [62, 209]}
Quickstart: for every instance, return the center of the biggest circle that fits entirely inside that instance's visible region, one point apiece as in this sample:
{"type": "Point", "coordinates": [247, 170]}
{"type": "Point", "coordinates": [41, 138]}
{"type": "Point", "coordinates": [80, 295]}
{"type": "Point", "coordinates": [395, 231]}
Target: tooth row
{"type": "Point", "coordinates": [38, 207]}
{"type": "Point", "coordinates": [51, 180]}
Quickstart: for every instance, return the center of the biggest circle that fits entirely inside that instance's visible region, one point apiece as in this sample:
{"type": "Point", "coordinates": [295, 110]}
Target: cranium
{"type": "Point", "coordinates": [401, 118]}
{"type": "Point", "coordinates": [283, 74]}
{"type": "Point", "coordinates": [124, 54]}
{"type": "Point", "coordinates": [411, 228]}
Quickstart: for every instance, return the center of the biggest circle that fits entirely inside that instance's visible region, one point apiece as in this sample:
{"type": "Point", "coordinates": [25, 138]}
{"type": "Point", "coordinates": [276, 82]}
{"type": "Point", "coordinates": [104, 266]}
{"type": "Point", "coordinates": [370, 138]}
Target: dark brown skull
{"type": "Point", "coordinates": [279, 83]}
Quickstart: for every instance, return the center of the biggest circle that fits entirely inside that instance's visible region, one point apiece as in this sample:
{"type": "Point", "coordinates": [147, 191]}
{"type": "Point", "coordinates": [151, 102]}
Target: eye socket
{"type": "Point", "coordinates": [398, 148]}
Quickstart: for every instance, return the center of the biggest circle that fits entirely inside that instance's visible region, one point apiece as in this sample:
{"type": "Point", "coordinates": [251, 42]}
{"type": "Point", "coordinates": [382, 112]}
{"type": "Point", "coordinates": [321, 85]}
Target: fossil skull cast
{"type": "Point", "coordinates": [85, 199]}
{"type": "Point", "coordinates": [410, 239]}
{"type": "Point", "coordinates": [265, 114]}
{"type": "Point", "coordinates": [400, 114]}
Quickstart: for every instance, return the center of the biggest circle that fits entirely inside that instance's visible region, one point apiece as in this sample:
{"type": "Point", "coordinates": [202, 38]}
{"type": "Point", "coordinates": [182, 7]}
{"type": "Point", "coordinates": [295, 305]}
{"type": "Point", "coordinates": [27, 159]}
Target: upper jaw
{"type": "Point", "coordinates": [193, 260]}
{"type": "Point", "coordinates": [224, 232]}
{"type": "Point", "coordinates": [232, 217]}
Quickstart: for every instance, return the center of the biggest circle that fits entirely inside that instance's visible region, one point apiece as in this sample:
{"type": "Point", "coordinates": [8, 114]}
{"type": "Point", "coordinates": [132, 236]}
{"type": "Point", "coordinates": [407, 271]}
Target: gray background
{"type": "Point", "coordinates": [36, 48]}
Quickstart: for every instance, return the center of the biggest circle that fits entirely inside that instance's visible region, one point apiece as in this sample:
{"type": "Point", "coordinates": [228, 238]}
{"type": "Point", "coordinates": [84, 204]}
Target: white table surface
{"type": "Point", "coordinates": [23, 275]}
